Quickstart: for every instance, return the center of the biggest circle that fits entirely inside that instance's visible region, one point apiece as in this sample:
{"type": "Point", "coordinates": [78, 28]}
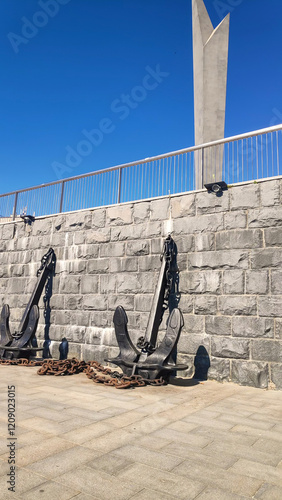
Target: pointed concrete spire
{"type": "Point", "coordinates": [210, 58]}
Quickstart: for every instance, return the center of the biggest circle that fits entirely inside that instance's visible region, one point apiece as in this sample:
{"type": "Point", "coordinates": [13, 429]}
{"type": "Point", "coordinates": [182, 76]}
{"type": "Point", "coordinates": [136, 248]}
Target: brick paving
{"type": "Point", "coordinates": [78, 440]}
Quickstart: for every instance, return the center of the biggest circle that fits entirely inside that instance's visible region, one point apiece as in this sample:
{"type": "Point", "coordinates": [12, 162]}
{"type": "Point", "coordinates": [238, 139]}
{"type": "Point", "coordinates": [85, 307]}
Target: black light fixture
{"type": "Point", "coordinates": [216, 187]}
{"type": "Point", "coordinates": [28, 219]}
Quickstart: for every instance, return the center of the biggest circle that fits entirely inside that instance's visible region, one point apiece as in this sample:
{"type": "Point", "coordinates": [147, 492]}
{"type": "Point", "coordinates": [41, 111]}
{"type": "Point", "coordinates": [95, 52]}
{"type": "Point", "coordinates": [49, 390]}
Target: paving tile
{"type": "Point", "coordinates": [25, 480]}
{"type": "Point", "coordinates": [109, 463]}
{"type": "Point", "coordinates": [151, 442]}
{"type": "Point", "coordinates": [49, 490]}
{"type": "Point", "coordinates": [99, 483]}
{"type": "Point", "coordinates": [181, 437]}
{"type": "Point", "coordinates": [179, 486]}
{"type": "Point", "coordinates": [230, 480]}
{"type": "Point", "coordinates": [254, 422]}
{"type": "Point", "coordinates": [153, 495]}
{"type": "Point", "coordinates": [62, 462]}
{"type": "Point", "coordinates": [241, 451]}
{"type": "Point", "coordinates": [212, 423]}
{"type": "Point", "coordinates": [222, 460]}
{"type": "Point", "coordinates": [259, 433]}
{"type": "Point", "coordinates": [88, 432]}
{"type": "Point", "coordinates": [34, 452]}
{"type": "Point", "coordinates": [146, 425]}
{"type": "Point", "coordinates": [228, 436]}
{"type": "Point", "coordinates": [57, 428]}
{"type": "Point", "coordinates": [265, 472]}
{"type": "Point", "coordinates": [269, 492]}
{"type": "Point", "coordinates": [110, 441]}
{"type": "Point", "coordinates": [144, 456]}
{"type": "Point", "coordinates": [216, 494]}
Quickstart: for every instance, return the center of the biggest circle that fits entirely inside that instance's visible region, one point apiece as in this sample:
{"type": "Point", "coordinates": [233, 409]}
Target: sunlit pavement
{"type": "Point", "coordinates": [77, 439]}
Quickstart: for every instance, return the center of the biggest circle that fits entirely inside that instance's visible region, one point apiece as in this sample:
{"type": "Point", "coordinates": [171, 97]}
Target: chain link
{"type": "Point", "coordinates": [92, 369]}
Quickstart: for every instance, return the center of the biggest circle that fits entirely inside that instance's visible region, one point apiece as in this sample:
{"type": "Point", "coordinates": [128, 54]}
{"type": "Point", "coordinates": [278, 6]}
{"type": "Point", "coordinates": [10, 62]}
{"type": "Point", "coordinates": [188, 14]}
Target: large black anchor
{"type": "Point", "coordinates": [19, 344]}
{"type": "Point", "coordinates": [149, 361]}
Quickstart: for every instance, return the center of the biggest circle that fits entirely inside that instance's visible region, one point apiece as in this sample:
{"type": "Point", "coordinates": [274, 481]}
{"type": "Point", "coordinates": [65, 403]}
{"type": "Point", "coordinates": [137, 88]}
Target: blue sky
{"type": "Point", "coordinates": [69, 70]}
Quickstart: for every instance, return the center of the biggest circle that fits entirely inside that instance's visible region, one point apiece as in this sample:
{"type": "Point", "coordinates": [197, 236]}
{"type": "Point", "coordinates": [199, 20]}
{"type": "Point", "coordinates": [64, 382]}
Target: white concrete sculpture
{"type": "Point", "coordinates": [210, 57]}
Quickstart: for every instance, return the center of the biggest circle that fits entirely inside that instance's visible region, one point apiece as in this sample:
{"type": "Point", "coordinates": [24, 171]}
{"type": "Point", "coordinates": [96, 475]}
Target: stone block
{"type": "Point", "coordinates": [129, 283]}
{"type": "Point", "coordinates": [157, 245]}
{"type": "Point", "coordinates": [257, 282]}
{"type": "Point", "coordinates": [200, 282]}
{"type": "Point", "coordinates": [218, 325]}
{"type": "Point", "coordinates": [270, 306]}
{"type": "Point", "coordinates": [112, 250]}
{"type": "Point", "coordinates": [108, 283]}
{"type": "Point", "coordinates": [77, 334]}
{"type": "Point", "coordinates": [42, 226]}
{"type": "Point", "coordinates": [75, 351]}
{"type": "Point", "coordinates": [83, 252]}
{"type": "Point", "coordinates": [23, 243]}
{"type": "Point", "coordinates": [242, 239]}
{"type": "Point", "coordinates": [235, 220]}
{"type": "Point", "coordinates": [99, 353]}
{"type": "Point", "coordinates": [95, 302]}
{"type": "Point", "coordinates": [199, 224]}
{"type": "Point", "coordinates": [59, 222]}
{"type": "Point", "coordinates": [185, 359]}
{"type": "Point", "coordinates": [276, 282]}
{"type": "Point", "coordinates": [183, 205]}
{"type": "Point", "coordinates": [268, 257]}
{"type": "Point", "coordinates": [137, 248]}
{"type": "Point", "coordinates": [141, 212]}
{"type": "Point", "coordinates": [62, 317]}
{"type": "Point", "coordinates": [184, 244]}
{"type": "Point", "coordinates": [233, 282]}
{"type": "Point", "coordinates": [244, 197]}
{"type": "Point", "coordinates": [276, 375]}
{"type": "Point", "coordinates": [78, 220]}
{"type": "Point", "coordinates": [58, 239]}
{"type": "Point", "coordinates": [222, 347]}
{"type": "Point", "coordinates": [8, 231]}
{"type": "Point", "coordinates": [122, 264]}
{"type": "Point", "coordinates": [237, 305]}
{"type": "Point", "coordinates": [265, 217]}
{"type": "Point", "coordinates": [101, 319]}
{"type": "Point", "coordinates": [13, 270]}
{"type": "Point", "coordinates": [186, 303]}
{"type": "Point", "coordinates": [252, 327]}
{"type": "Point", "coordinates": [143, 303]}
{"type": "Point", "coordinates": [267, 350]}
{"type": "Point", "coordinates": [89, 284]}
{"type": "Point", "coordinates": [227, 259]}
{"type": "Point", "coordinates": [219, 370]}
{"type": "Point", "coordinates": [269, 193]}
{"type": "Point", "coordinates": [126, 301]}
{"type": "Point", "coordinates": [81, 318]}
{"type": "Point", "coordinates": [18, 286]}
{"type": "Point", "coordinates": [193, 324]}
{"type": "Point", "coordinates": [207, 203]}
{"type": "Point", "coordinates": [141, 232]}
{"type": "Point", "coordinates": [73, 302]}
{"type": "Point", "coordinates": [159, 209]}
{"type": "Point", "coordinates": [70, 284]}
{"type": "Point", "coordinates": [149, 263]}
{"type": "Point", "coordinates": [119, 215]}
{"type": "Point", "coordinates": [102, 235]}
{"type": "Point", "coordinates": [204, 242]}
{"type": "Point", "coordinates": [57, 302]}
{"type": "Point", "coordinates": [273, 237]}
{"type": "Point", "coordinates": [250, 373]}
{"type": "Point", "coordinates": [133, 320]}
{"type": "Point", "coordinates": [190, 344]}
{"type": "Point", "coordinates": [205, 304]}
{"type": "Point", "coordinates": [99, 217]}
{"type": "Point", "coordinates": [98, 266]}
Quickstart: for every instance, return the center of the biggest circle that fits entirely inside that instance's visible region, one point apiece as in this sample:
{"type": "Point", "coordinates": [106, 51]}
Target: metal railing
{"type": "Point", "coordinates": [244, 157]}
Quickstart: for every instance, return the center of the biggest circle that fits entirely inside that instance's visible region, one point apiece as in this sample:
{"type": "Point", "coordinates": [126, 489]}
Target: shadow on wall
{"type": "Point", "coordinates": [202, 364]}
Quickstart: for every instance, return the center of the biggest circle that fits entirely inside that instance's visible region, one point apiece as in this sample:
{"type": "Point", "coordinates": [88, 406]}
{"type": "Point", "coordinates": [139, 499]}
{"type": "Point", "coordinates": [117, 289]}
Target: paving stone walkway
{"type": "Point", "coordinates": [76, 439]}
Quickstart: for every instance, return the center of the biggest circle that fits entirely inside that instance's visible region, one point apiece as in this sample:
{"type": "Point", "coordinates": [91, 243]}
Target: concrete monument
{"type": "Point", "coordinates": [210, 57]}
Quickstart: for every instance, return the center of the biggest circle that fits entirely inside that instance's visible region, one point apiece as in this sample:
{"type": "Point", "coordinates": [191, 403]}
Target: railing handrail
{"type": "Point", "coordinates": [153, 158]}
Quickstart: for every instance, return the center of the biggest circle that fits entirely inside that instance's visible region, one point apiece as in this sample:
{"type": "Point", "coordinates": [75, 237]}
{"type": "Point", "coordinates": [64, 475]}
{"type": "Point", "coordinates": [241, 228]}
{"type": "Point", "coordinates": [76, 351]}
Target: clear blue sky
{"type": "Point", "coordinates": [72, 73]}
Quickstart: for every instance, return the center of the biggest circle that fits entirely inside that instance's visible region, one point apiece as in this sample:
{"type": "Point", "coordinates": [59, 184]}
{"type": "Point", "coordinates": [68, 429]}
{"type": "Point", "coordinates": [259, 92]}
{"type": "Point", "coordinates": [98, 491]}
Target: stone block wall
{"type": "Point", "coordinates": [230, 263]}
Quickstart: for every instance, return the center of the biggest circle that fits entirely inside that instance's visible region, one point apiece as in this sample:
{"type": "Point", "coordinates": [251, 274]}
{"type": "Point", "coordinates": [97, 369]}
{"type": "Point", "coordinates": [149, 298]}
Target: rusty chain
{"type": "Point", "coordinates": [92, 369]}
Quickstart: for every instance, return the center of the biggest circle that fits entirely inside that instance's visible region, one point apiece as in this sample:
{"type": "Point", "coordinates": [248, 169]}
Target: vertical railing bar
{"type": "Point", "coordinates": [15, 205]}
{"type": "Point", "coordinates": [62, 196]}
{"type": "Point", "coordinates": [277, 145]}
{"type": "Point", "coordinates": [119, 185]}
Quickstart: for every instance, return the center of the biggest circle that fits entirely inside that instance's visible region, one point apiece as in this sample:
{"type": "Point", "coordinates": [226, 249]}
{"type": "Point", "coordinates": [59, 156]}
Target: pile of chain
{"type": "Point", "coordinates": [92, 369]}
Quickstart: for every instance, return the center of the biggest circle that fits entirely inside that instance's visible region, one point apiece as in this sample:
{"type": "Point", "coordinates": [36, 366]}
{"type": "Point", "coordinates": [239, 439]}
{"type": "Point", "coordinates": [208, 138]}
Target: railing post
{"type": "Point", "coordinates": [15, 206]}
{"type": "Point", "coordinates": [62, 196]}
{"type": "Point", "coordinates": [119, 185]}
{"type": "Point", "coordinates": [203, 165]}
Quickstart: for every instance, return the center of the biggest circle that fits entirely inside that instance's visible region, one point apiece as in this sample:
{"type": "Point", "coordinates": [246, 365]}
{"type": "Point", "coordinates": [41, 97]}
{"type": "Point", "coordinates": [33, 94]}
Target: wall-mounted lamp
{"type": "Point", "coordinates": [28, 219]}
{"type": "Point", "coordinates": [216, 187]}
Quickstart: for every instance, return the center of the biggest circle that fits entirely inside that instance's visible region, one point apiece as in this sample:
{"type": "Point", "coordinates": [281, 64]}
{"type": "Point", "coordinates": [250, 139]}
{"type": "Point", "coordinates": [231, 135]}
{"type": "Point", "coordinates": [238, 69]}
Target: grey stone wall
{"type": "Point", "coordinates": [230, 262]}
